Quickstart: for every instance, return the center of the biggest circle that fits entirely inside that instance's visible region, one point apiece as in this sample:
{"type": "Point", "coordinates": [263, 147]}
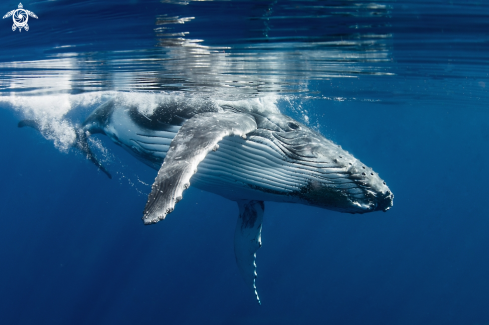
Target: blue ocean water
{"type": "Point", "coordinates": [399, 84]}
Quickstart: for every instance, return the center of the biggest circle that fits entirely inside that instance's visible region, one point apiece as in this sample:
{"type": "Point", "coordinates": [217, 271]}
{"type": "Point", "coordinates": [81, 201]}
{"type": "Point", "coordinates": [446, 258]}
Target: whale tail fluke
{"type": "Point", "coordinates": [30, 123]}
{"type": "Point", "coordinates": [80, 143]}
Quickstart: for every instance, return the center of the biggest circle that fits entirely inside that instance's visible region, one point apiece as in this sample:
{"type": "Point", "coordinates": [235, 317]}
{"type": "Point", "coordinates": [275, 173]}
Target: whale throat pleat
{"type": "Point", "coordinates": [255, 164]}
{"type": "Point", "coordinates": [248, 164]}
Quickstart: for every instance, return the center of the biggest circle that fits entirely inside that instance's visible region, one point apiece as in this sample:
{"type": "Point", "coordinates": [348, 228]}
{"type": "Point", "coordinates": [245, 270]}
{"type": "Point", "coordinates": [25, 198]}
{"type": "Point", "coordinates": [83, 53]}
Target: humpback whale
{"type": "Point", "coordinates": [242, 152]}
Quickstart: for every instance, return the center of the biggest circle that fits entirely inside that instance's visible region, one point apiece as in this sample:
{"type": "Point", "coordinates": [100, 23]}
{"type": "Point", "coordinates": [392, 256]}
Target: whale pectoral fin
{"type": "Point", "coordinates": [8, 14]}
{"type": "Point", "coordinates": [30, 13]}
{"type": "Point", "coordinates": [247, 240]}
{"type": "Point", "coordinates": [80, 143]}
{"type": "Point", "coordinates": [194, 140]}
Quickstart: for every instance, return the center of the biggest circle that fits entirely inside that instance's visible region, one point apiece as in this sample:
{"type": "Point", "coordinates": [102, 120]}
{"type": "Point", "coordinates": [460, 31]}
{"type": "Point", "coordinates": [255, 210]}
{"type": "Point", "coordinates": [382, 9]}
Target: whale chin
{"type": "Point", "coordinates": [385, 201]}
{"type": "Point", "coordinates": [346, 197]}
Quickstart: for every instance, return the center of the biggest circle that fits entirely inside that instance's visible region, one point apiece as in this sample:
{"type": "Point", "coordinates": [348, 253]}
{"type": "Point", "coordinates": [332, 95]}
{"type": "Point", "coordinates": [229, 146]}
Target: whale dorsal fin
{"type": "Point", "coordinates": [247, 240]}
{"type": "Point", "coordinates": [194, 140]}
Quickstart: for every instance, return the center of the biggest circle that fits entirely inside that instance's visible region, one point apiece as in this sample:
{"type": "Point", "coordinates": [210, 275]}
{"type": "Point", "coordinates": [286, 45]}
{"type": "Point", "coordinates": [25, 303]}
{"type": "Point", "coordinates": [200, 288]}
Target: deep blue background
{"type": "Point", "coordinates": [73, 249]}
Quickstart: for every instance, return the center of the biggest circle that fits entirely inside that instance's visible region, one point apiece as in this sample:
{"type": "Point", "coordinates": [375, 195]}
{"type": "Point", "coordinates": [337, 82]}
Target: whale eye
{"type": "Point", "coordinates": [293, 125]}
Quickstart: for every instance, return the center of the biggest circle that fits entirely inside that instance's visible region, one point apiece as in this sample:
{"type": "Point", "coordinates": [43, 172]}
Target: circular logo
{"type": "Point", "coordinates": [20, 18]}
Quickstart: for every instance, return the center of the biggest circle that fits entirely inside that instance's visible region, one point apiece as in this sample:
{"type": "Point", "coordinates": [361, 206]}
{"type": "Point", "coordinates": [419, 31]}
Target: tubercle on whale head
{"type": "Point", "coordinates": [337, 180]}
{"type": "Point", "coordinates": [375, 191]}
{"type": "Point", "coordinates": [357, 190]}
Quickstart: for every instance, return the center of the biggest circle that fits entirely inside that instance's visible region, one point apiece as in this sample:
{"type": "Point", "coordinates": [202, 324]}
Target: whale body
{"type": "Point", "coordinates": [241, 152]}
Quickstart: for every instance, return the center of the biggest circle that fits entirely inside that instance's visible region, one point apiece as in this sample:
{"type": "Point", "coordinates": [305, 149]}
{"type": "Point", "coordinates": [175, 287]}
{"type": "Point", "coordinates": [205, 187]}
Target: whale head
{"type": "Point", "coordinates": [332, 177]}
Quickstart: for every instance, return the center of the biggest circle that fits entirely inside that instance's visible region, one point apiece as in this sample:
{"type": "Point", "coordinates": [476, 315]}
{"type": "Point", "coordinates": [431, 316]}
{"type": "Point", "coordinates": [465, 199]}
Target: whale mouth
{"type": "Point", "coordinates": [385, 201]}
{"type": "Point", "coordinates": [373, 200]}
{"type": "Point", "coordinates": [335, 179]}
{"type": "Point", "coordinates": [345, 191]}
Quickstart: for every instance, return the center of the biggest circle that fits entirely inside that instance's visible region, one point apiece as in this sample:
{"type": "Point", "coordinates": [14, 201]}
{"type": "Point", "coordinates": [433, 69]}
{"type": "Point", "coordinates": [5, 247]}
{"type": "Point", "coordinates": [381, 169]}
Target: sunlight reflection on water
{"type": "Point", "coordinates": [268, 48]}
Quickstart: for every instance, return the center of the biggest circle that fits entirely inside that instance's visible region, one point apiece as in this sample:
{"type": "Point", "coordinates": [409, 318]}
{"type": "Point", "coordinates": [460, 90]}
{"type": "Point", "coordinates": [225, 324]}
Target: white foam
{"type": "Point", "coordinates": [50, 111]}
{"type": "Point", "coordinates": [267, 104]}
{"type": "Point", "coordinates": [147, 102]}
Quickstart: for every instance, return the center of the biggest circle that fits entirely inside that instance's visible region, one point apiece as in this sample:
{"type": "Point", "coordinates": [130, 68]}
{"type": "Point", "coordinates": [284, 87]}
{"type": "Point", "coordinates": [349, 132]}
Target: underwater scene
{"type": "Point", "coordinates": [244, 162]}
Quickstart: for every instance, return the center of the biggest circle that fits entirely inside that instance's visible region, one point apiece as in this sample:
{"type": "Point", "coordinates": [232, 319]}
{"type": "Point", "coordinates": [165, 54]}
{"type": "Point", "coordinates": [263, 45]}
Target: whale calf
{"type": "Point", "coordinates": [242, 152]}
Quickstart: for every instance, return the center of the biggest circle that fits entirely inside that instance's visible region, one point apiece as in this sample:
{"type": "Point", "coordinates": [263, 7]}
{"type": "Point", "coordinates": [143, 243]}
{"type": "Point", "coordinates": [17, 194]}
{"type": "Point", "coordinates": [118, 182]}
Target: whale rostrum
{"type": "Point", "coordinates": [242, 152]}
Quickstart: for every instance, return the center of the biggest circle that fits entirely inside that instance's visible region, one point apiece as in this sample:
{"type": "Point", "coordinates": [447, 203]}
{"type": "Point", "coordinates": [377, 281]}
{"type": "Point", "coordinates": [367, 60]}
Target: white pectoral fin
{"type": "Point", "coordinates": [194, 140]}
{"type": "Point", "coordinates": [30, 13]}
{"type": "Point", "coordinates": [8, 14]}
{"type": "Point", "coordinates": [247, 240]}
